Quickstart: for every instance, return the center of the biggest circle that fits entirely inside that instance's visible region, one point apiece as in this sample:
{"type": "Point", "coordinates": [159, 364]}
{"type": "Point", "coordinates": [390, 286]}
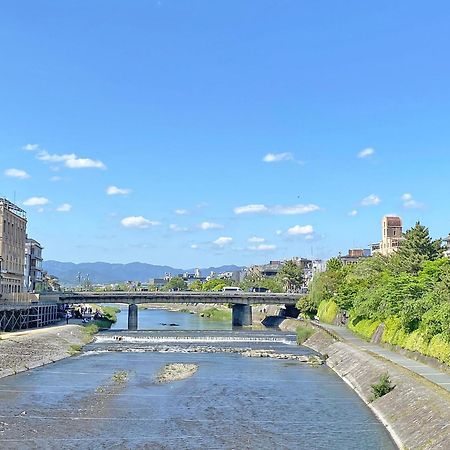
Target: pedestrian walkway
{"type": "Point", "coordinates": [436, 376]}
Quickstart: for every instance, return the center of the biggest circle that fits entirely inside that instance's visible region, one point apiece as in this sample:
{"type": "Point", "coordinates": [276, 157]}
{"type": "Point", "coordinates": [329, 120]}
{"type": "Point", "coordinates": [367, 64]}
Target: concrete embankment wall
{"type": "Point", "coordinates": [24, 350]}
{"type": "Point", "coordinates": [416, 412]}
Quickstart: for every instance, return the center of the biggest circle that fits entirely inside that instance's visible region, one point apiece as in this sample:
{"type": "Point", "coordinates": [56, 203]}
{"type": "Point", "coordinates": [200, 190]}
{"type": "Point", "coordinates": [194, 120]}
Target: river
{"type": "Point", "coordinates": [231, 402]}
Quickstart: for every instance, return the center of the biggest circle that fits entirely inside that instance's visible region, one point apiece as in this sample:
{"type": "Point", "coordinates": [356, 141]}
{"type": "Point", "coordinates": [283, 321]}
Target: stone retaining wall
{"type": "Point", "coordinates": [416, 412]}
{"type": "Point", "coordinates": [25, 350]}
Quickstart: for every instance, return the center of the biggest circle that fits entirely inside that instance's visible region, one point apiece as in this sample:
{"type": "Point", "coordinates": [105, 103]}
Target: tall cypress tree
{"type": "Point", "coordinates": [417, 247]}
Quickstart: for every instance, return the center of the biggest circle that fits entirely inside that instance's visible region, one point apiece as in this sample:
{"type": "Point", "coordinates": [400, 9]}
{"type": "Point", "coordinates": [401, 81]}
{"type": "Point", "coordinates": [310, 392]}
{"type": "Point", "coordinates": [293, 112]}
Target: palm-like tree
{"type": "Point", "coordinates": [291, 276]}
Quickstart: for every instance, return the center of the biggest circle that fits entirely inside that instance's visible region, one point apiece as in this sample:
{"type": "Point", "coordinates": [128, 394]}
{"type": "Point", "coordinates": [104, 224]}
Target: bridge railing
{"type": "Point", "coordinates": [19, 297]}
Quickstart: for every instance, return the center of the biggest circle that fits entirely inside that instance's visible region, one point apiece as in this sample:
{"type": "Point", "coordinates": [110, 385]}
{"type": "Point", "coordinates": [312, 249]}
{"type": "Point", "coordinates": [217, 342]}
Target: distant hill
{"type": "Point", "coordinates": [101, 272]}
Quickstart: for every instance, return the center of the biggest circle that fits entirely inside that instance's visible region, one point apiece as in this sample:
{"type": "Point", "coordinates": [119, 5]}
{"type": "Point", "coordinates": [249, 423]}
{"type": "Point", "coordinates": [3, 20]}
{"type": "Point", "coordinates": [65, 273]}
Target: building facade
{"type": "Point", "coordinates": [13, 232]}
{"type": "Point", "coordinates": [392, 235]}
{"type": "Point", "coordinates": [33, 266]}
{"type": "Point", "coordinates": [446, 244]}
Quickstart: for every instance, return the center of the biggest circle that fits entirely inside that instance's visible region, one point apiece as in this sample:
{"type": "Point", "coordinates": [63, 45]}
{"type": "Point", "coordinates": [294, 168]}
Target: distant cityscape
{"type": "Point", "coordinates": [21, 259]}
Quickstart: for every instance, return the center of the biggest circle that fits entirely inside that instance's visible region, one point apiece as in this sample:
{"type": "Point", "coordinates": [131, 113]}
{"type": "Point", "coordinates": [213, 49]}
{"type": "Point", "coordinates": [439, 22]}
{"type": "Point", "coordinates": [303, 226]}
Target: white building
{"type": "Point", "coordinates": [33, 266]}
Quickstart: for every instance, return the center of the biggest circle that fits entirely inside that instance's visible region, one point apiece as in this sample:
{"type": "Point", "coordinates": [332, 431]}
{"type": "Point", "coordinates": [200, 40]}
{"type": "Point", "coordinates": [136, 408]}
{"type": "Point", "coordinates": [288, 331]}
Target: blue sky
{"type": "Point", "coordinates": [226, 131]}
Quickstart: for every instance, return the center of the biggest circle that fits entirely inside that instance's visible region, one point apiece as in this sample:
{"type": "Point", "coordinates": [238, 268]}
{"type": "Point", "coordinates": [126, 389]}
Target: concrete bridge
{"type": "Point", "coordinates": [241, 302]}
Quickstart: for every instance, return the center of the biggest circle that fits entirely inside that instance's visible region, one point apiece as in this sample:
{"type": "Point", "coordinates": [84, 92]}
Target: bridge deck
{"type": "Point", "coordinates": [243, 298]}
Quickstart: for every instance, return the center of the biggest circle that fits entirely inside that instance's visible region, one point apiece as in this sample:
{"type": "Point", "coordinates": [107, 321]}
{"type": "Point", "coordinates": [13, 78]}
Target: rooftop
{"type": "Point", "coordinates": [13, 208]}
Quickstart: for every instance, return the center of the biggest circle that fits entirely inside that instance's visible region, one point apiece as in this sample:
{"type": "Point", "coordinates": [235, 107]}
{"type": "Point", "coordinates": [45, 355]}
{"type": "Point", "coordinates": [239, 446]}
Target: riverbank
{"type": "Point", "coordinates": [25, 350]}
{"type": "Point", "coordinates": [416, 412]}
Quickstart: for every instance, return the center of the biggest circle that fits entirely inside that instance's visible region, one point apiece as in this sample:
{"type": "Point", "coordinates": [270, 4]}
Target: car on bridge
{"type": "Point", "coordinates": [231, 289]}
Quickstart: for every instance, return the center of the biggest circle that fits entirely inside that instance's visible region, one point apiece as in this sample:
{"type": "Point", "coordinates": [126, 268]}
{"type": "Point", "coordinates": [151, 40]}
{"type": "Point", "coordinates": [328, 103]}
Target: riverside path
{"type": "Point", "coordinates": [432, 374]}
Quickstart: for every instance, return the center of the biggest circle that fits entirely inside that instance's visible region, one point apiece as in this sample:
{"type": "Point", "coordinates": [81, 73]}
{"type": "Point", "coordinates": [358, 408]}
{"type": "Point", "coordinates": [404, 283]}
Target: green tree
{"type": "Point", "coordinates": [270, 283]}
{"type": "Point", "coordinates": [306, 306]}
{"type": "Point", "coordinates": [291, 276]}
{"type": "Point", "coordinates": [215, 284]}
{"type": "Point", "coordinates": [416, 248]}
{"type": "Point", "coordinates": [176, 283]}
{"type": "Point", "coordinates": [197, 285]}
{"type": "Point", "coordinates": [334, 264]}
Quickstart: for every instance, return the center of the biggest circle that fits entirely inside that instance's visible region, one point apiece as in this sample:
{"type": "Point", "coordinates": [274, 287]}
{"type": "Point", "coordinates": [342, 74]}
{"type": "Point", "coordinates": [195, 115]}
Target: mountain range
{"type": "Point", "coordinates": [104, 273]}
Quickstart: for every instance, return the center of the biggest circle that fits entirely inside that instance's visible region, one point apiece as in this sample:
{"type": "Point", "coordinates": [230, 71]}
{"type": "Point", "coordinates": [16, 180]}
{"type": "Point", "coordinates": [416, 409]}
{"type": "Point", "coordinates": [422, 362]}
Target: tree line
{"type": "Point", "coordinates": [407, 293]}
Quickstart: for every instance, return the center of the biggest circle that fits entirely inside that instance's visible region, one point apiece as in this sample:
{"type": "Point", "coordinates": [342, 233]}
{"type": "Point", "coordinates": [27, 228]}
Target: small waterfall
{"type": "Point", "coordinates": [108, 339]}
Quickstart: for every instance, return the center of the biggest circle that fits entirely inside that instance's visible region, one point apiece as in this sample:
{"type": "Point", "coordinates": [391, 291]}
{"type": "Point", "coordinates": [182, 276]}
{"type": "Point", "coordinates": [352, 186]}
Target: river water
{"type": "Point", "coordinates": [231, 402]}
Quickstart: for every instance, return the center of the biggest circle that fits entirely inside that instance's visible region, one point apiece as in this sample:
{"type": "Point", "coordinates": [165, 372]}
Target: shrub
{"type": "Point", "coordinates": [365, 328]}
{"type": "Point", "coordinates": [216, 314]}
{"type": "Point", "coordinates": [383, 387]}
{"type": "Point", "coordinates": [327, 311]}
{"type": "Point", "coordinates": [303, 333]}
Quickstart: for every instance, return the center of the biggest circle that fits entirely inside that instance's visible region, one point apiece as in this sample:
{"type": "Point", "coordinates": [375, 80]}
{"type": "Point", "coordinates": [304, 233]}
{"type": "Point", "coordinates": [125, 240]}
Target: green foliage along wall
{"type": "Point", "coordinates": [409, 292]}
{"type": "Point", "coordinates": [327, 311]}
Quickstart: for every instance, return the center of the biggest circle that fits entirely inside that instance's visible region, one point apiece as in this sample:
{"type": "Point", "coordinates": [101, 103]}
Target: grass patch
{"type": "Point", "coordinates": [216, 314]}
{"type": "Point", "coordinates": [74, 349]}
{"type": "Point", "coordinates": [383, 387]}
{"type": "Point", "coordinates": [120, 377]}
{"type": "Point", "coordinates": [304, 332]}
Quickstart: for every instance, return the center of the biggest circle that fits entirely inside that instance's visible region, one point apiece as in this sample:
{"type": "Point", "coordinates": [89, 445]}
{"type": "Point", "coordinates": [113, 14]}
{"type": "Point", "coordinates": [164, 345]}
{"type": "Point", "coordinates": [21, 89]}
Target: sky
{"type": "Point", "coordinates": [199, 133]}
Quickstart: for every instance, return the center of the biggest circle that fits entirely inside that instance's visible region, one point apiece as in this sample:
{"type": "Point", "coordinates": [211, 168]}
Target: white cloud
{"type": "Point", "coordinates": [31, 147]}
{"type": "Point", "coordinates": [210, 226]}
{"type": "Point", "coordinates": [278, 157]}
{"type": "Point", "coordinates": [263, 247]}
{"type": "Point", "coordinates": [279, 232]}
{"type": "Point", "coordinates": [177, 228]}
{"type": "Point", "coordinates": [300, 230]}
{"type": "Point", "coordinates": [181, 212]}
{"type": "Point", "coordinates": [251, 209]}
{"type": "Point", "coordinates": [55, 178]}
{"type": "Point", "coordinates": [84, 163]}
{"type": "Point", "coordinates": [223, 240]}
{"type": "Point", "coordinates": [371, 200]}
{"type": "Point", "coordinates": [309, 237]}
{"type": "Point", "coordinates": [353, 213]}
{"type": "Point", "coordinates": [409, 202]}
{"type": "Point", "coordinates": [138, 222]}
{"type": "Point", "coordinates": [295, 209]}
{"type": "Point", "coordinates": [407, 197]}
{"type": "Point", "coordinates": [194, 246]}
{"type": "Point", "coordinates": [114, 190]}
{"type": "Point", "coordinates": [16, 173]}
{"type": "Point", "coordinates": [44, 155]}
{"type": "Point", "coordinates": [276, 210]}
{"type": "Point", "coordinates": [65, 207]}
{"type": "Point", "coordinates": [256, 240]}
{"type": "Point", "coordinates": [366, 153]}
{"type": "Point", "coordinates": [36, 201]}
{"type": "Point", "coordinates": [70, 160]}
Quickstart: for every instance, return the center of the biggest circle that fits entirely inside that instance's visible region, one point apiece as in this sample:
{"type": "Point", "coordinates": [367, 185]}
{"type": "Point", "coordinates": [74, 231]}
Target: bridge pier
{"type": "Point", "coordinates": [132, 317]}
{"type": "Point", "coordinates": [241, 315]}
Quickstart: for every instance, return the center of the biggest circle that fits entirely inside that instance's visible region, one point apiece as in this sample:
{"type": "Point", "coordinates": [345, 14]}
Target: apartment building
{"type": "Point", "coordinates": [13, 232]}
{"type": "Point", "coordinates": [33, 266]}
